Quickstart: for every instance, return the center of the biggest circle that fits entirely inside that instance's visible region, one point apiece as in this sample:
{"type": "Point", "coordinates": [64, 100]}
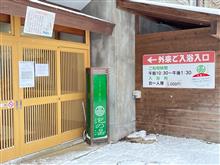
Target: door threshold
{"type": "Point", "coordinates": [41, 153]}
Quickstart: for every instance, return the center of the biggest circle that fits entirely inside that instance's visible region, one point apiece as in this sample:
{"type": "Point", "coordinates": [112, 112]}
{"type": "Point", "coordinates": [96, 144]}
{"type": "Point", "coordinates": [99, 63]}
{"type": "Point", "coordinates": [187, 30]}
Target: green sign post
{"type": "Point", "coordinates": [96, 106]}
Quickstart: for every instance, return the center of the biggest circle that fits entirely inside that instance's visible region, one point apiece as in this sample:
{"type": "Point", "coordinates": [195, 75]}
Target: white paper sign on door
{"type": "Point", "coordinates": [26, 74]}
{"type": "Point", "coordinates": [41, 70]}
{"type": "Point", "coordinates": [39, 22]}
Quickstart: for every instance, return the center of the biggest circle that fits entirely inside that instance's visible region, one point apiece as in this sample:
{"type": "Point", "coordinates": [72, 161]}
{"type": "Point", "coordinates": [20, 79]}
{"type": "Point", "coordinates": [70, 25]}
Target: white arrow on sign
{"type": "Point", "coordinates": [150, 60]}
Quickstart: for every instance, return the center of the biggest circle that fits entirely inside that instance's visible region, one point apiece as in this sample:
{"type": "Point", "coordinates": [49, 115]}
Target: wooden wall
{"type": "Point", "coordinates": [179, 112]}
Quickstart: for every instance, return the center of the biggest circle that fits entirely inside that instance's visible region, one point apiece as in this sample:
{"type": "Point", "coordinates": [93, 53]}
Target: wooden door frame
{"type": "Point", "coordinates": [19, 40]}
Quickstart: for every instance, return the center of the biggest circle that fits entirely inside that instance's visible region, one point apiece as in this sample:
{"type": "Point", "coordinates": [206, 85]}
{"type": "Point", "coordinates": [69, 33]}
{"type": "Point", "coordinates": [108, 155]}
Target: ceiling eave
{"type": "Point", "coordinates": [167, 13]}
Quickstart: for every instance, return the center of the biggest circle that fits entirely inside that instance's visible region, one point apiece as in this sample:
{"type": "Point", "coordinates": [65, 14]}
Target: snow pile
{"type": "Point", "coordinates": [141, 137]}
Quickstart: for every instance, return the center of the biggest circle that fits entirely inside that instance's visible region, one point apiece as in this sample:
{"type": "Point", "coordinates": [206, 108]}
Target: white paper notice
{"type": "Point", "coordinates": [39, 22]}
{"type": "Point", "coordinates": [41, 70]}
{"type": "Point", "coordinates": [26, 74]}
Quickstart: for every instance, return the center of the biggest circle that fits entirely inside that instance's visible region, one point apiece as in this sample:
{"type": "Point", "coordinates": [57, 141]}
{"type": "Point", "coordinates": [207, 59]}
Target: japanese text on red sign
{"type": "Point", "coordinates": [179, 58]}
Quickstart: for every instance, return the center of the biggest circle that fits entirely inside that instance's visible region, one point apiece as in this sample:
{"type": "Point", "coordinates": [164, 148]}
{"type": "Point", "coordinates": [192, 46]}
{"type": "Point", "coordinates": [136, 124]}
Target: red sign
{"type": "Point", "coordinates": [179, 58]}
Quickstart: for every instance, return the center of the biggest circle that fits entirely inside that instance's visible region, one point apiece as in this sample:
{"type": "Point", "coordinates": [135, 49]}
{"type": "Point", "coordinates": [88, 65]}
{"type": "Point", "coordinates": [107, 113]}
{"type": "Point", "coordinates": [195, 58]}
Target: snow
{"type": "Point", "coordinates": [181, 7]}
{"type": "Point", "coordinates": [166, 151]}
{"type": "Point", "coordinates": [141, 137]}
{"type": "Point", "coordinates": [150, 137]}
{"type": "Point", "coordinates": [138, 134]}
{"type": "Point", "coordinates": [68, 10]}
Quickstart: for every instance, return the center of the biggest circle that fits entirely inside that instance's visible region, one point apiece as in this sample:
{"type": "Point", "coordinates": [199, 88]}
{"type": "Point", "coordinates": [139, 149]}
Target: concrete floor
{"type": "Point", "coordinates": [61, 156]}
{"type": "Point", "coordinates": [166, 151]}
{"type": "Point", "coordinates": [57, 155]}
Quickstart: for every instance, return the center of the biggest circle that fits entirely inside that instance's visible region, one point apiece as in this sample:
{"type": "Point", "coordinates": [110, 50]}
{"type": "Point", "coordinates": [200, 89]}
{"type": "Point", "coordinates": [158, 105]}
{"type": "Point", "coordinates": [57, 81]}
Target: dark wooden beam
{"type": "Point", "coordinates": [58, 28]}
{"type": "Point", "coordinates": [63, 18]}
{"type": "Point", "coordinates": [5, 18]}
{"type": "Point", "coordinates": [167, 13]}
{"type": "Point", "coordinates": [170, 35]}
{"type": "Point", "coordinates": [74, 31]}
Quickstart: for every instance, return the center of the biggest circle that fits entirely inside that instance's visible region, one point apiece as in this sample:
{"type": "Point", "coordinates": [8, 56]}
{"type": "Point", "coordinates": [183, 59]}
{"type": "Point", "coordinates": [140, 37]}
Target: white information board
{"type": "Point", "coordinates": [179, 70]}
{"type": "Point", "coordinates": [41, 70]}
{"type": "Point", "coordinates": [39, 22]}
{"type": "Point", "coordinates": [26, 74]}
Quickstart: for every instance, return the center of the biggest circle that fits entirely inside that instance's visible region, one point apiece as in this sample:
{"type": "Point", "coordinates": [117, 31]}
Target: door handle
{"type": "Point", "coordinates": [16, 104]}
{"type": "Point", "coordinates": [20, 104]}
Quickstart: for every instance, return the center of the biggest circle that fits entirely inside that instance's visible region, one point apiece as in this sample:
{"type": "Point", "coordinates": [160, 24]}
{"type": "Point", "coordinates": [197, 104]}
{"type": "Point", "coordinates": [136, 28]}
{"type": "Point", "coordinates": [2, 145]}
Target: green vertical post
{"type": "Point", "coordinates": [97, 104]}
